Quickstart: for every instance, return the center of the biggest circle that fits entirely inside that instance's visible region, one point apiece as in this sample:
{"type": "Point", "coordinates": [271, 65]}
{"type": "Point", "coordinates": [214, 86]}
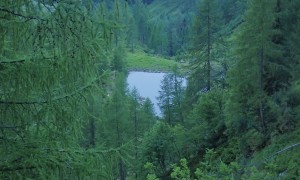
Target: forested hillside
{"type": "Point", "coordinates": [66, 111]}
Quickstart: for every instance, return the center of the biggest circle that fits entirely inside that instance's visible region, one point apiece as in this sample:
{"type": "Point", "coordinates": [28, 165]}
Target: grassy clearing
{"type": "Point", "coordinates": [141, 61]}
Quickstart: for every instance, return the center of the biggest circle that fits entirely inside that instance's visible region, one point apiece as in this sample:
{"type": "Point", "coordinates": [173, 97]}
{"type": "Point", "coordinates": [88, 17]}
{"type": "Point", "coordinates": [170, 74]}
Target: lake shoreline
{"type": "Point", "coordinates": [147, 70]}
{"type": "Point", "coordinates": [182, 73]}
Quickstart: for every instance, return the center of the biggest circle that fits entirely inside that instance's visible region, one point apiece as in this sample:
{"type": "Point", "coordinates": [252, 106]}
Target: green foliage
{"type": "Point", "coordinates": [213, 168]}
{"type": "Point", "coordinates": [65, 115]}
{"type": "Point", "coordinates": [163, 146]}
{"type": "Point", "coordinates": [182, 172]}
{"type": "Point", "coordinates": [119, 59]}
{"type": "Point", "coordinates": [205, 28]}
{"type": "Point", "coordinates": [142, 118]}
{"type": "Point", "coordinates": [232, 11]}
{"type": "Point", "coordinates": [259, 20]}
{"type": "Point", "coordinates": [117, 114]}
{"type": "Point", "coordinates": [253, 173]}
{"type": "Point", "coordinates": [259, 102]}
{"type": "Point", "coordinates": [280, 157]}
{"type": "Point", "coordinates": [125, 119]}
{"type": "Point", "coordinates": [159, 30]}
{"type": "Point", "coordinates": [207, 121]}
{"type": "Point", "coordinates": [210, 108]}
{"type": "Point", "coordinates": [144, 62]}
{"type": "Point", "coordinates": [150, 169]}
{"type": "Point", "coordinates": [148, 114]}
{"type": "Point", "coordinates": [50, 54]}
{"type": "Point", "coordinates": [208, 51]}
{"type": "Point", "coordinates": [171, 97]}
{"type": "Point", "coordinates": [251, 141]}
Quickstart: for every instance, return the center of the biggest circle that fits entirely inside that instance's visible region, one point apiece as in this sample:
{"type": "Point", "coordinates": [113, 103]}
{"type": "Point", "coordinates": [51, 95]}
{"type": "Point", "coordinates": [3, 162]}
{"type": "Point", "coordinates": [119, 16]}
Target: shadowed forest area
{"type": "Point", "coordinates": [66, 111]}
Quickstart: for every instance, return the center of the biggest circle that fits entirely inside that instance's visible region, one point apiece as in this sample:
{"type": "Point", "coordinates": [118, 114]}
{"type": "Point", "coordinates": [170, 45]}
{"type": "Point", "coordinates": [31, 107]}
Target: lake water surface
{"type": "Point", "coordinates": [147, 84]}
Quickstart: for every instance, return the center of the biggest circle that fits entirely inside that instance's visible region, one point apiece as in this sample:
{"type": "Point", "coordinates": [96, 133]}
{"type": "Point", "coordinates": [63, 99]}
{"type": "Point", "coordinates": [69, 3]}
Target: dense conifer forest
{"type": "Point", "coordinates": [66, 111]}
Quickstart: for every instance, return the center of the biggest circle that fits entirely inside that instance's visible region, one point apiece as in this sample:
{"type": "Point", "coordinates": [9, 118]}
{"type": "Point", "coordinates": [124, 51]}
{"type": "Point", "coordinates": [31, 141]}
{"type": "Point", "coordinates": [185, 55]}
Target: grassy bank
{"type": "Point", "coordinates": [141, 61]}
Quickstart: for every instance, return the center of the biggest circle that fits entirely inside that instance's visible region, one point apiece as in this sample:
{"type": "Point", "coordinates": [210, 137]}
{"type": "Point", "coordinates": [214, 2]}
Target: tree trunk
{"type": "Point", "coordinates": [121, 164]}
{"type": "Point", "coordinates": [169, 112]}
{"type": "Point", "coordinates": [92, 131]}
{"type": "Point", "coordinates": [261, 103]}
{"type": "Point", "coordinates": [135, 137]}
{"type": "Point", "coordinates": [121, 170]}
{"type": "Point", "coordinates": [208, 48]}
{"type": "Point", "coordinates": [116, 39]}
{"type": "Point", "coordinates": [171, 53]}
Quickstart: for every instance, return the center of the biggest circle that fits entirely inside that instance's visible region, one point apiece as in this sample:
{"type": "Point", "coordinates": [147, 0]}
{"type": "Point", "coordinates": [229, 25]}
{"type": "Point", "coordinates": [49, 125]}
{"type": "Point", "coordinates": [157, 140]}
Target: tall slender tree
{"type": "Point", "coordinates": [165, 98]}
{"type": "Point", "coordinates": [253, 51]}
{"type": "Point", "coordinates": [116, 130]}
{"type": "Point", "coordinates": [205, 28]}
{"type": "Point", "coordinates": [171, 96]}
{"type": "Point", "coordinates": [148, 113]}
{"type": "Point", "coordinates": [135, 116]}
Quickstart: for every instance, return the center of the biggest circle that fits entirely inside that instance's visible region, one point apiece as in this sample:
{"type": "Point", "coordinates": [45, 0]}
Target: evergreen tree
{"type": "Point", "coordinates": [118, 61]}
{"type": "Point", "coordinates": [178, 94]}
{"type": "Point", "coordinates": [136, 124]}
{"type": "Point", "coordinates": [165, 98]}
{"type": "Point", "coordinates": [162, 146]}
{"type": "Point", "coordinates": [141, 113]}
{"type": "Point", "coordinates": [132, 34]}
{"type": "Point", "coordinates": [143, 118]}
{"type": "Point", "coordinates": [205, 28]}
{"type": "Point", "coordinates": [232, 9]}
{"type": "Point", "coordinates": [148, 113]}
{"type": "Point", "coordinates": [291, 25]}
{"type": "Point", "coordinates": [171, 97]}
{"type": "Point", "coordinates": [202, 53]}
{"type": "Point", "coordinates": [253, 52]}
{"type": "Point", "coordinates": [282, 76]}
{"type": "Point", "coordinates": [207, 121]}
{"type": "Point", "coordinates": [140, 13]}
{"type": "Point", "coordinates": [115, 130]}
{"type": "Point", "coordinates": [49, 54]}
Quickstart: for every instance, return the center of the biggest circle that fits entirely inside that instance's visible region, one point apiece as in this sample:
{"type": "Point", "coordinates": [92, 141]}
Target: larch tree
{"type": "Point", "coordinates": [178, 95]}
{"type": "Point", "coordinates": [141, 120]}
{"type": "Point", "coordinates": [165, 98]}
{"type": "Point", "coordinates": [50, 53]}
{"type": "Point", "coordinates": [253, 51]}
{"type": "Point", "coordinates": [203, 40]}
{"type": "Point", "coordinates": [116, 129]}
{"type": "Point", "coordinates": [140, 12]}
{"type": "Point", "coordinates": [204, 36]}
{"type": "Point", "coordinates": [283, 71]}
{"type": "Point", "coordinates": [291, 22]}
{"type": "Point", "coordinates": [171, 97]}
{"type": "Point", "coordinates": [135, 118]}
{"type": "Point", "coordinates": [148, 114]}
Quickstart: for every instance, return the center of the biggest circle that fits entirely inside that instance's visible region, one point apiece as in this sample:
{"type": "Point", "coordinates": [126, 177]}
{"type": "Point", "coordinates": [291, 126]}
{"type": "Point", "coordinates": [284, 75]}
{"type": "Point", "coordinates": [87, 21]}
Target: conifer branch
{"type": "Point", "coordinates": [23, 60]}
{"type": "Point", "coordinates": [10, 127]}
{"type": "Point", "coordinates": [17, 168]}
{"type": "Point", "coordinates": [12, 62]}
{"type": "Point", "coordinates": [47, 101]}
{"type": "Point", "coordinates": [69, 151]}
{"type": "Point", "coordinates": [20, 15]}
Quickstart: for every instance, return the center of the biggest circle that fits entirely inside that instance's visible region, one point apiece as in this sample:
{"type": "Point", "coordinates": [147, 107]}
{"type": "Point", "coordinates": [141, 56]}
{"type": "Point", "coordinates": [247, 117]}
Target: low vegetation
{"type": "Point", "coordinates": [141, 61]}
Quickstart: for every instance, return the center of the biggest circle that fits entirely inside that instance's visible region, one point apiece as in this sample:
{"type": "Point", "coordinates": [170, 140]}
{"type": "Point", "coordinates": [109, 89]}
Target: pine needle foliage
{"type": "Point", "coordinates": [254, 51]}
{"type": "Point", "coordinates": [51, 59]}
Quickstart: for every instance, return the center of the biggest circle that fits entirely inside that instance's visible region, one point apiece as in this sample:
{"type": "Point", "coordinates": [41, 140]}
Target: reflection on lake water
{"type": "Point", "coordinates": [147, 84]}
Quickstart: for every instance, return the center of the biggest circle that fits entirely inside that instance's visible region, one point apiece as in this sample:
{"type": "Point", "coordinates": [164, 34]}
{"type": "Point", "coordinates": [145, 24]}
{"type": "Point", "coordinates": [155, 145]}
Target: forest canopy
{"type": "Point", "coordinates": [66, 111]}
